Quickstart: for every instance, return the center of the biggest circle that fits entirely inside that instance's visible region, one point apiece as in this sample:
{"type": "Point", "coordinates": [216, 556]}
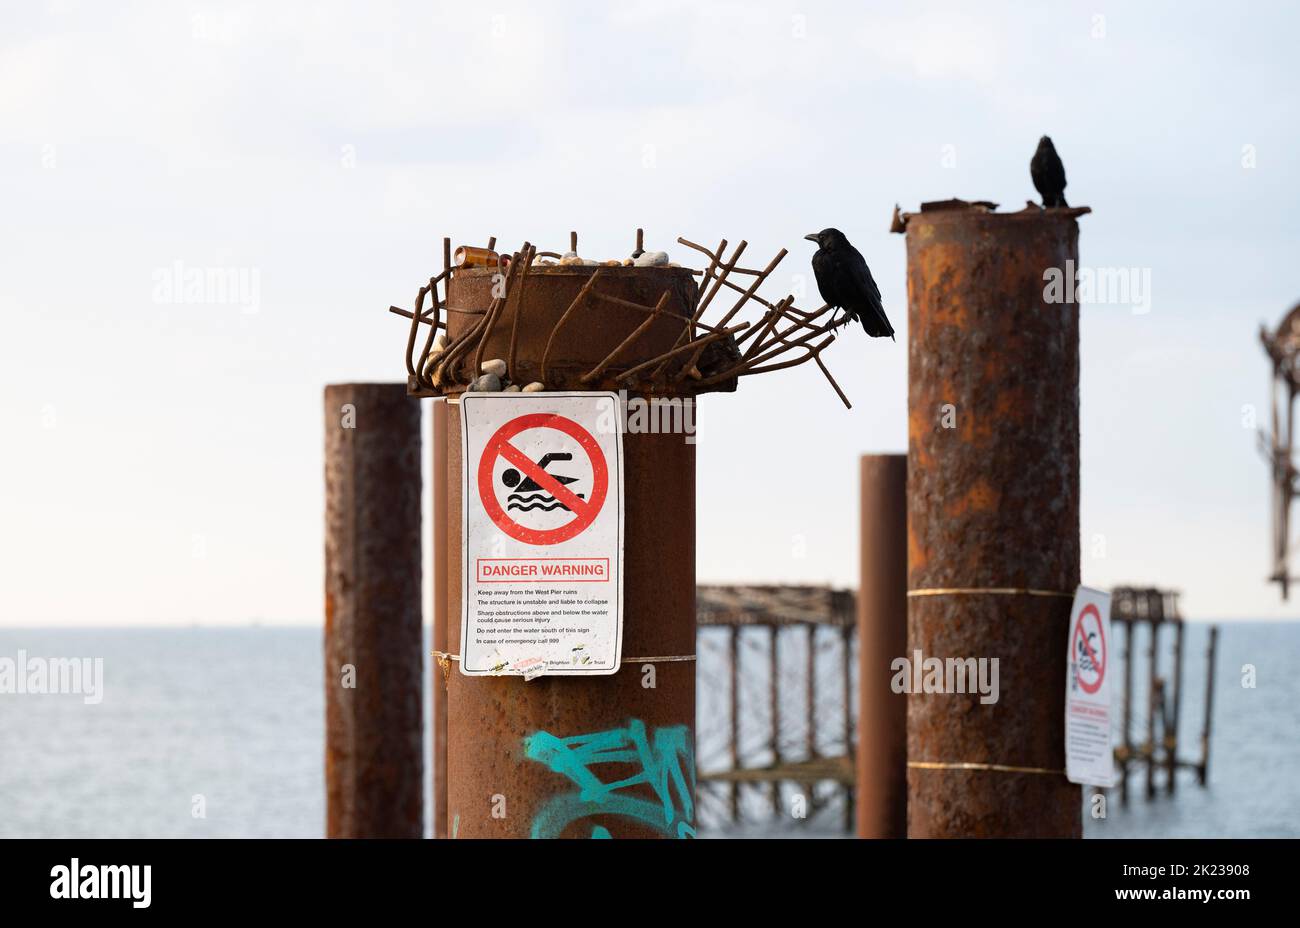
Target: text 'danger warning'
{"type": "Point", "coordinates": [542, 533]}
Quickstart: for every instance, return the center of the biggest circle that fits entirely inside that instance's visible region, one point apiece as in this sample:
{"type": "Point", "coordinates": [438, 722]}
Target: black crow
{"type": "Point", "coordinates": [845, 280]}
{"type": "Point", "coordinates": [1048, 174]}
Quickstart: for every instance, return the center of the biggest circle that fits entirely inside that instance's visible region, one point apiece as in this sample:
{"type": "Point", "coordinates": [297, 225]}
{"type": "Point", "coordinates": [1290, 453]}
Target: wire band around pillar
{"type": "Point", "coordinates": [996, 768]}
{"type": "Point", "coordinates": [444, 659]}
{"type": "Point", "coordinates": [987, 590]}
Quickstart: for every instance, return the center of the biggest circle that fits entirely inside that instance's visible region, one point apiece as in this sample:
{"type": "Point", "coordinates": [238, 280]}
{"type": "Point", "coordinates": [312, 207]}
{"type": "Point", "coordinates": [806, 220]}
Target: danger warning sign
{"type": "Point", "coordinates": [1089, 754]}
{"type": "Point", "coordinates": [542, 533]}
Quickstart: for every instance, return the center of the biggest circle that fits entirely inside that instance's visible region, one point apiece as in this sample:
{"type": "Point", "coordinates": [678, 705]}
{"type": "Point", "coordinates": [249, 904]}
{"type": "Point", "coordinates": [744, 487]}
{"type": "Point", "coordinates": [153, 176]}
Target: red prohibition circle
{"type": "Point", "coordinates": [1090, 609]}
{"type": "Point", "coordinates": [585, 511]}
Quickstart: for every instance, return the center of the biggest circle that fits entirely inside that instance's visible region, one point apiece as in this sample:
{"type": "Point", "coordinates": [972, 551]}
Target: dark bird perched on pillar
{"type": "Point", "coordinates": [845, 281]}
{"type": "Point", "coordinates": [1048, 174]}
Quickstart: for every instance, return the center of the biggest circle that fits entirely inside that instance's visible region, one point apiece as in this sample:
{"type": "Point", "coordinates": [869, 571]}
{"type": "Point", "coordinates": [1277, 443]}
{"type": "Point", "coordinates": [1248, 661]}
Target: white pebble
{"type": "Point", "coordinates": [652, 259]}
{"type": "Point", "coordinates": [534, 387]}
{"type": "Point", "coordinates": [440, 343]}
{"type": "Point", "coordinates": [495, 366]}
{"type": "Point", "coordinates": [513, 388]}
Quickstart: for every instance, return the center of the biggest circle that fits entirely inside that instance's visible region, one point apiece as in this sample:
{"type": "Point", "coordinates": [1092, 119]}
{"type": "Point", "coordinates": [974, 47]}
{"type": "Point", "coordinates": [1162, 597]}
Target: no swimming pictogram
{"type": "Point", "coordinates": [529, 487]}
{"type": "Point", "coordinates": [1088, 646]}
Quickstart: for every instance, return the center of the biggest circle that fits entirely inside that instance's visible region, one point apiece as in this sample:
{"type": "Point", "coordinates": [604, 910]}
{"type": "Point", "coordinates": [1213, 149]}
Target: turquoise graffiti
{"type": "Point", "coordinates": [661, 765]}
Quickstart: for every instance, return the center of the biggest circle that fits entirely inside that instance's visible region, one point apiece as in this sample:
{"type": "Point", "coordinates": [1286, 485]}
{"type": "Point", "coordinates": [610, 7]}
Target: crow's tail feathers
{"type": "Point", "coordinates": [875, 322]}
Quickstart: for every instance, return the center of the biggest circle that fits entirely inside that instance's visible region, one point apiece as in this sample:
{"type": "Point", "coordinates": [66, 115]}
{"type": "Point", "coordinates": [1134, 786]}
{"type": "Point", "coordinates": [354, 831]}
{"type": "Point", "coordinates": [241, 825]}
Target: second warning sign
{"type": "Point", "coordinates": [542, 533]}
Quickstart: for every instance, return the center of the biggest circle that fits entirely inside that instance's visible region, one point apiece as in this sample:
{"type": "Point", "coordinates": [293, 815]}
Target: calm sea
{"type": "Point", "coordinates": [232, 720]}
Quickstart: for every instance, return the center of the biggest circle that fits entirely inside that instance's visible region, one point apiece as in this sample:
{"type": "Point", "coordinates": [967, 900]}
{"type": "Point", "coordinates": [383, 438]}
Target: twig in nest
{"type": "Point", "coordinates": [529, 253]}
{"type": "Point", "coordinates": [495, 312]}
{"type": "Point", "coordinates": [753, 287]}
{"type": "Point", "coordinates": [640, 330]}
{"type": "Point", "coordinates": [577, 301]}
{"type": "Point", "coordinates": [705, 340]}
{"type": "Point", "coordinates": [703, 299]}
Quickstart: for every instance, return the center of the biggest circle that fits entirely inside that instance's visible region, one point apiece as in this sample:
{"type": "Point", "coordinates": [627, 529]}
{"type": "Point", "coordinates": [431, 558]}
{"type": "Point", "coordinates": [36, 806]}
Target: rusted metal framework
{"type": "Point", "coordinates": [1278, 444]}
{"type": "Point", "coordinates": [493, 314]}
{"type": "Point", "coordinates": [776, 686]}
{"type": "Point", "coordinates": [1132, 608]}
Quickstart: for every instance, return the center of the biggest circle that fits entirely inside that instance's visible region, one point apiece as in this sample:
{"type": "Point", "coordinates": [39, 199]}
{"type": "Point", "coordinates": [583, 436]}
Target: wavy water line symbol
{"type": "Point", "coordinates": [532, 506]}
{"type": "Point", "coordinates": [536, 501]}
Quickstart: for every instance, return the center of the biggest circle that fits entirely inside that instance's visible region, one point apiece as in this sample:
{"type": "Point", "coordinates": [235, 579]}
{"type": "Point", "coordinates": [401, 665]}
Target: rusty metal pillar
{"type": "Point", "coordinates": [374, 739]}
{"type": "Point", "coordinates": [993, 515]}
{"type": "Point", "coordinates": [1155, 693]}
{"type": "Point", "coordinates": [733, 666]}
{"type": "Point", "coordinates": [810, 690]}
{"type": "Point", "coordinates": [1203, 768]}
{"type": "Point", "coordinates": [882, 638]}
{"type": "Point", "coordinates": [846, 680]}
{"type": "Point", "coordinates": [1171, 729]}
{"type": "Point", "coordinates": [645, 713]}
{"type": "Point", "coordinates": [774, 707]}
{"type": "Point", "coordinates": [1127, 750]}
{"type": "Point", "coordinates": [438, 697]}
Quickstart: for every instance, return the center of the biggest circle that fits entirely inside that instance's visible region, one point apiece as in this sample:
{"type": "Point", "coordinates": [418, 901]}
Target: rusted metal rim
{"type": "Point", "coordinates": [965, 210]}
{"type": "Point", "coordinates": [577, 270]}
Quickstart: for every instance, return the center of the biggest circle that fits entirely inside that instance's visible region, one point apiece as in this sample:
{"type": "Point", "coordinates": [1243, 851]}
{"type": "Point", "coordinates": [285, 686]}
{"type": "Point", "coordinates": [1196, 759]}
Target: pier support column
{"type": "Point", "coordinates": [993, 514]}
{"type": "Point", "coordinates": [374, 740]}
{"type": "Point", "coordinates": [882, 637]}
{"type": "Point", "coordinates": [635, 727]}
{"type": "Point", "coordinates": [441, 540]}
{"type": "Point", "coordinates": [647, 711]}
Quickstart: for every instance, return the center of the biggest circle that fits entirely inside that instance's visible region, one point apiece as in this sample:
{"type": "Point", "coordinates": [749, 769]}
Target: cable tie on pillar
{"type": "Point", "coordinates": [444, 664]}
{"type": "Point", "coordinates": [996, 768]}
{"type": "Point", "coordinates": [987, 590]}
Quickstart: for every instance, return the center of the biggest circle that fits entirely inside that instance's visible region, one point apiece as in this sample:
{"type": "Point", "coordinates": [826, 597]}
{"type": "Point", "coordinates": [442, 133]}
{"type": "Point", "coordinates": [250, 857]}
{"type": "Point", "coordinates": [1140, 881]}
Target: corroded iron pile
{"type": "Point", "coordinates": [993, 514]}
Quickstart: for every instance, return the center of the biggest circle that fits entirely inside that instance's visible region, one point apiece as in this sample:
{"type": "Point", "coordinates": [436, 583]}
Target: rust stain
{"type": "Point", "coordinates": [980, 497]}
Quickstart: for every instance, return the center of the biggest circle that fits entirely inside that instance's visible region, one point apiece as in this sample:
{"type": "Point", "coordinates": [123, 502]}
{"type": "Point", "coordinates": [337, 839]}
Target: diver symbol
{"type": "Point", "coordinates": [527, 491]}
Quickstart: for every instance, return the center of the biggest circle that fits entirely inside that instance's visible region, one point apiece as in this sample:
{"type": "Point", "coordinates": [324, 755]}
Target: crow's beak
{"type": "Point", "coordinates": [812, 237]}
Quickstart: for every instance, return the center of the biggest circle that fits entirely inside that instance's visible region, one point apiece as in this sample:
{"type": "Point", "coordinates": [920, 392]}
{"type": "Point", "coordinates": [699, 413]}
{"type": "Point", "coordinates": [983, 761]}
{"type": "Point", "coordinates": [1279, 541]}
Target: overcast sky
{"type": "Point", "coordinates": [163, 459]}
